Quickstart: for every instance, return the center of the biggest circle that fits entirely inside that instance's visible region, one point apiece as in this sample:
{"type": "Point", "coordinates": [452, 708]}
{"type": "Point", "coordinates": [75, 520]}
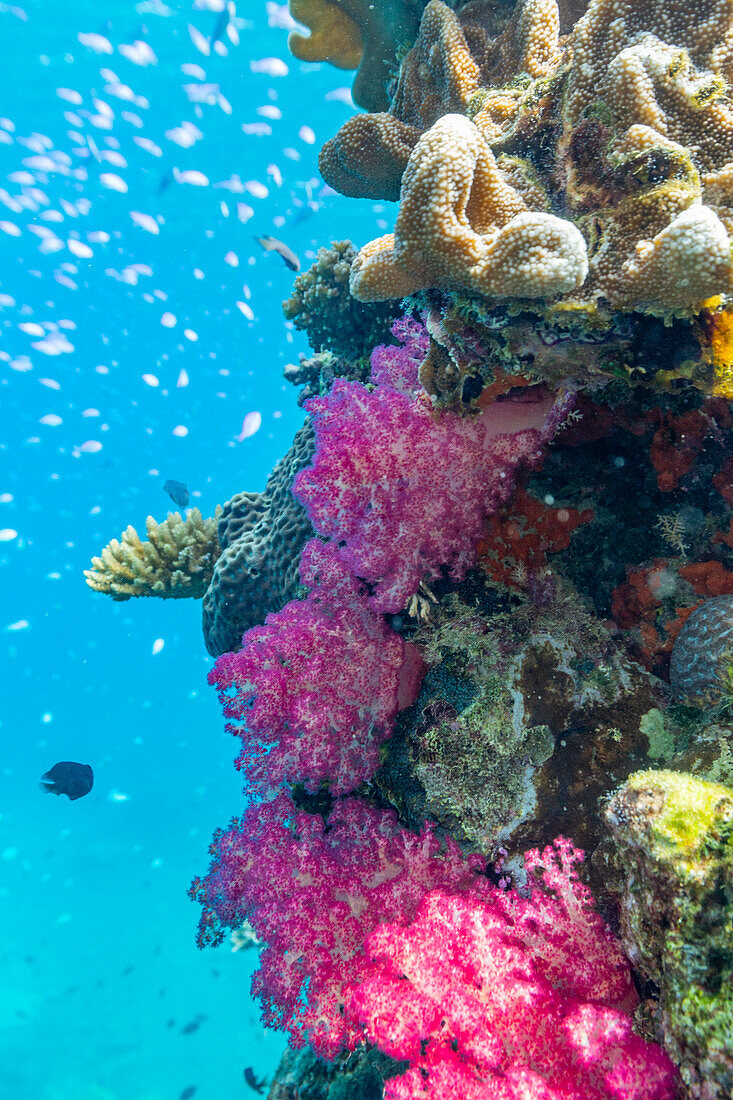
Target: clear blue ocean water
{"type": "Point", "coordinates": [125, 359]}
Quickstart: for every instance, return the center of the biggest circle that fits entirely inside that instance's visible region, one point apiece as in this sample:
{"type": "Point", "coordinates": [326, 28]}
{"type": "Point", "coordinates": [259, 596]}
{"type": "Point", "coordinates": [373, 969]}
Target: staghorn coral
{"type": "Point", "coordinates": [674, 842]}
{"type": "Point", "coordinates": [510, 996]}
{"type": "Point", "coordinates": [322, 305]}
{"type": "Point", "coordinates": [175, 562]}
{"type": "Point", "coordinates": [261, 536]}
{"type": "Point", "coordinates": [461, 224]}
{"type": "Point", "coordinates": [357, 34]}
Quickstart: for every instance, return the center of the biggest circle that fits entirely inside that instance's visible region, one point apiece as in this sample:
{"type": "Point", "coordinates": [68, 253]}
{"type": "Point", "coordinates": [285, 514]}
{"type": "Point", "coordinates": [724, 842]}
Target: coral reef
{"type": "Point", "coordinates": [527, 715]}
{"type": "Point", "coordinates": [261, 536]}
{"type": "Point", "coordinates": [674, 840]}
{"type": "Point", "coordinates": [355, 34]}
{"type": "Point", "coordinates": [323, 306]}
{"type": "Point", "coordinates": [176, 560]}
{"type": "Point", "coordinates": [313, 890]}
{"type": "Point", "coordinates": [314, 692]}
{"type": "Point", "coordinates": [461, 224]}
{"type": "Point", "coordinates": [445, 475]}
{"type": "Point", "coordinates": [619, 131]}
{"type": "Point", "coordinates": [556, 1028]}
{"type": "Point", "coordinates": [701, 663]}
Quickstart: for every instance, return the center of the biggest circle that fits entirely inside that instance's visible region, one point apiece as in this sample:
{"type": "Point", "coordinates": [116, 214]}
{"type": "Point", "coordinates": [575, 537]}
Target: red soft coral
{"type": "Point", "coordinates": [313, 891]}
{"type": "Point", "coordinates": [510, 997]}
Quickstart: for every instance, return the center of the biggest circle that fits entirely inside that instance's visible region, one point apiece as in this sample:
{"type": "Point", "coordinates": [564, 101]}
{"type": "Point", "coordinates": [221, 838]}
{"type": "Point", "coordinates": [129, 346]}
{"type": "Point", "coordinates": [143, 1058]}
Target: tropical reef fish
{"type": "Point", "coordinates": [254, 1084]}
{"type": "Point", "coordinates": [272, 244]}
{"type": "Point", "coordinates": [188, 1092]}
{"type": "Point", "coordinates": [177, 491]}
{"type": "Point", "coordinates": [192, 1025]}
{"type": "Point", "coordinates": [69, 778]}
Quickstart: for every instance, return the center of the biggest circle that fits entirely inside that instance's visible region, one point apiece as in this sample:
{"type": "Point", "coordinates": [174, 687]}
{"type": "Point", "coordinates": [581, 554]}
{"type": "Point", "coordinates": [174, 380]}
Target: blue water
{"type": "Point", "coordinates": [99, 968]}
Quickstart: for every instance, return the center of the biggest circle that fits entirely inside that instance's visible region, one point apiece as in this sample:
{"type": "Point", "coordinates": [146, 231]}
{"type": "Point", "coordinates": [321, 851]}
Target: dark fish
{"type": "Point", "coordinates": [225, 16]}
{"type": "Point", "coordinates": [177, 491]}
{"type": "Point", "coordinates": [188, 1092]}
{"type": "Point", "coordinates": [254, 1084]}
{"type": "Point", "coordinates": [69, 778]}
{"type": "Point", "coordinates": [272, 244]}
{"type": "Point", "coordinates": [192, 1025]}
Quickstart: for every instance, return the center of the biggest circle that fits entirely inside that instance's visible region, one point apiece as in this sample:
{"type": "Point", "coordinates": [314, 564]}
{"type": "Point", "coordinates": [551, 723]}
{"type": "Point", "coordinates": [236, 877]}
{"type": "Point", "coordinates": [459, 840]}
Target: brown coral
{"type": "Point", "coordinates": [357, 34]}
{"type": "Point", "coordinates": [461, 224]}
{"type": "Point", "coordinates": [176, 561]}
{"type": "Point", "coordinates": [261, 536]}
{"type": "Point", "coordinates": [322, 306]}
{"type": "Point", "coordinates": [624, 127]}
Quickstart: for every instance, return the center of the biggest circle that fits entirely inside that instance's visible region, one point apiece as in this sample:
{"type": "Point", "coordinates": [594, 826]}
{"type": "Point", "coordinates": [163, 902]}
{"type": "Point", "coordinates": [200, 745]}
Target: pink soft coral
{"type": "Point", "coordinates": [314, 692]}
{"type": "Point", "coordinates": [402, 491]}
{"type": "Point", "coordinates": [509, 997]}
{"type": "Point", "coordinates": [313, 891]}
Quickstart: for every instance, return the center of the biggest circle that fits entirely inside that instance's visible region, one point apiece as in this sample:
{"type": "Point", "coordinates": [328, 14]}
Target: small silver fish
{"type": "Point", "coordinates": [272, 244]}
{"type": "Point", "coordinates": [177, 491]}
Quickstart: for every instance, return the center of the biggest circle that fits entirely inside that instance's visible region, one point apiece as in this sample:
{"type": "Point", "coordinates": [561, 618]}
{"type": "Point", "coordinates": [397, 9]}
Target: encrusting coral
{"type": "Point", "coordinates": [322, 305]}
{"type": "Point", "coordinates": [674, 840]}
{"type": "Point", "coordinates": [175, 562]}
{"type": "Point", "coordinates": [261, 536]}
{"type": "Point", "coordinates": [701, 664]}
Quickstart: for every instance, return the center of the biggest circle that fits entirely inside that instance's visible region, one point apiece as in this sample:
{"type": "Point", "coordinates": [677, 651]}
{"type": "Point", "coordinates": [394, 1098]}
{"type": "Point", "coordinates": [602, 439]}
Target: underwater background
{"type": "Point", "coordinates": [139, 324]}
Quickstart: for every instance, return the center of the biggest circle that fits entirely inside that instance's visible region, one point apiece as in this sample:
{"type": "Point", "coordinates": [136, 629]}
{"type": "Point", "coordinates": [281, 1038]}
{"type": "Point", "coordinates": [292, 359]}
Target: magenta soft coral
{"type": "Point", "coordinates": [313, 891]}
{"type": "Point", "coordinates": [314, 692]}
{"type": "Point", "coordinates": [509, 997]}
{"type": "Point", "coordinates": [402, 491]}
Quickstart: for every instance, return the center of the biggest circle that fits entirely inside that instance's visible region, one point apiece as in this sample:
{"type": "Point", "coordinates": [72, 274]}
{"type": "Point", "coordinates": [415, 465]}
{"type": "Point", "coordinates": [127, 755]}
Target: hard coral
{"type": "Point", "coordinates": [313, 890]}
{"type": "Point", "coordinates": [176, 562]}
{"type": "Point", "coordinates": [403, 493]}
{"type": "Point", "coordinates": [461, 224]}
{"type": "Point", "coordinates": [509, 997]}
{"type": "Point", "coordinates": [314, 692]}
{"type": "Point", "coordinates": [357, 33]}
{"type": "Point", "coordinates": [322, 305]}
{"type": "Point", "coordinates": [261, 536]}
{"type": "Point", "coordinates": [674, 839]}
{"type": "Point", "coordinates": [702, 656]}
{"type": "Point", "coordinates": [623, 127]}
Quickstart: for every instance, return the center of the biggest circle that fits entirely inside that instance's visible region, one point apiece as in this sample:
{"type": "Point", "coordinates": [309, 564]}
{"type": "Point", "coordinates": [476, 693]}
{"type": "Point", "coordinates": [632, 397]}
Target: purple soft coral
{"type": "Point", "coordinates": [314, 692]}
{"type": "Point", "coordinates": [402, 491]}
{"type": "Point", "coordinates": [313, 891]}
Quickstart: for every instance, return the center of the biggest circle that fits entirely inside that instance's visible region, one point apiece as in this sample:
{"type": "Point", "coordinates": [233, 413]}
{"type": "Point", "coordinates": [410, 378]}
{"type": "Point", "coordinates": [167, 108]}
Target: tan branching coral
{"type": "Point", "coordinates": [176, 561]}
{"type": "Point", "coordinates": [355, 34]}
{"type": "Point", "coordinates": [461, 224]}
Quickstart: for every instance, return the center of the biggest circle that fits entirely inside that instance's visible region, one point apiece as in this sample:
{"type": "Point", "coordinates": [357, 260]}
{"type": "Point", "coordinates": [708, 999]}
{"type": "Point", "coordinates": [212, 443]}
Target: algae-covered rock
{"type": "Point", "coordinates": [360, 1075]}
{"type": "Point", "coordinates": [526, 717]}
{"type": "Point", "coordinates": [674, 842]}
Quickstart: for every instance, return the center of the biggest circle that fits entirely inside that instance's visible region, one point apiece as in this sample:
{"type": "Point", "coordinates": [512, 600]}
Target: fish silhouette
{"type": "Point", "coordinates": [177, 491]}
{"type": "Point", "coordinates": [69, 778]}
{"type": "Point", "coordinates": [254, 1084]}
{"type": "Point", "coordinates": [272, 244]}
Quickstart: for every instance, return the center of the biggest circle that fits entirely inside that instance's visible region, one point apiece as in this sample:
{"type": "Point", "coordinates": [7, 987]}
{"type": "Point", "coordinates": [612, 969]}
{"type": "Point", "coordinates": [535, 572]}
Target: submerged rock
{"type": "Point", "coordinates": [674, 843]}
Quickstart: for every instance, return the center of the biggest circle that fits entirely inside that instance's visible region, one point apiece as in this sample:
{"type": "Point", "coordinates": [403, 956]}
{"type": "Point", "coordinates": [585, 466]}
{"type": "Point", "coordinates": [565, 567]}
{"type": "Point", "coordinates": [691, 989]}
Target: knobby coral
{"type": "Point", "coordinates": [176, 561]}
{"type": "Point", "coordinates": [620, 131]}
